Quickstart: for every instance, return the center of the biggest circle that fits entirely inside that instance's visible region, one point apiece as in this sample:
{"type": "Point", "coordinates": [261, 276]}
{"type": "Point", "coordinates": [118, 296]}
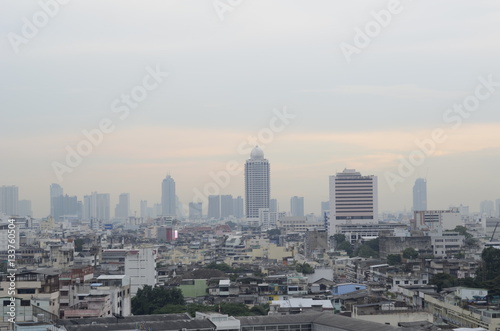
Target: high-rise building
{"type": "Point", "coordinates": [122, 209]}
{"type": "Point", "coordinates": [214, 207]}
{"type": "Point", "coordinates": [24, 208]}
{"type": "Point", "coordinates": [238, 207]}
{"type": "Point", "coordinates": [64, 205]}
{"type": "Point", "coordinates": [420, 195]}
{"type": "Point", "coordinates": [168, 197]}
{"type": "Point", "coordinates": [195, 210]}
{"type": "Point", "coordinates": [257, 183]}
{"type": "Point", "coordinates": [226, 206]}
{"type": "Point", "coordinates": [497, 207]}
{"type": "Point", "coordinates": [55, 191]}
{"type": "Point", "coordinates": [96, 206]}
{"type": "Point", "coordinates": [487, 208]}
{"type": "Point", "coordinates": [9, 200]}
{"type": "Point", "coordinates": [273, 205]}
{"type": "Point", "coordinates": [297, 206]}
{"type": "Point", "coordinates": [353, 199]}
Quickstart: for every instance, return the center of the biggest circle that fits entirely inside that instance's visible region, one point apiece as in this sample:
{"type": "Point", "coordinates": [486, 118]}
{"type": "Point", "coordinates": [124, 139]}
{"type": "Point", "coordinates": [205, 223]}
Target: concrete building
{"type": "Point", "coordinates": [434, 221]}
{"type": "Point", "coordinates": [222, 322]}
{"type": "Point", "coordinates": [297, 206]}
{"type": "Point", "coordinates": [139, 265]}
{"type": "Point", "coordinates": [420, 195]}
{"type": "Point", "coordinates": [168, 197]}
{"type": "Point", "coordinates": [299, 305]}
{"type": "Point", "coordinates": [321, 321]}
{"type": "Point", "coordinates": [195, 210]}
{"type": "Point", "coordinates": [34, 289]}
{"type": "Point", "coordinates": [299, 224]}
{"type": "Point", "coordinates": [257, 183]}
{"type": "Point", "coordinates": [353, 199]}
{"type": "Point", "coordinates": [64, 206]}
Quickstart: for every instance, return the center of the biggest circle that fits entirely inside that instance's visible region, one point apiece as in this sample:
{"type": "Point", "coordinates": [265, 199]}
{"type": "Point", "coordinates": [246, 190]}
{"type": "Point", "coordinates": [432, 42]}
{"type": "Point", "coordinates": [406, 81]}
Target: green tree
{"type": "Point", "coordinates": [443, 280]}
{"type": "Point", "coordinates": [463, 231]}
{"type": "Point", "coordinates": [410, 253]}
{"type": "Point", "coordinates": [490, 266]}
{"type": "Point", "coordinates": [149, 299]}
{"type": "Point", "coordinates": [394, 259]}
{"type": "Point", "coordinates": [346, 246]}
{"type": "Point", "coordinates": [304, 268]}
{"type": "Point", "coordinates": [366, 251]}
{"type": "Point", "coordinates": [339, 238]}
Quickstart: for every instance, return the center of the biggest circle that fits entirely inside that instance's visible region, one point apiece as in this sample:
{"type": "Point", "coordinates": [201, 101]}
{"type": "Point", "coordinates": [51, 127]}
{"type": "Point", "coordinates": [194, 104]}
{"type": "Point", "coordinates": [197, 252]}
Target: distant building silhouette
{"type": "Point", "coordinates": [168, 198]}
{"type": "Point", "coordinates": [122, 209]}
{"type": "Point", "coordinates": [420, 195]}
{"type": "Point", "coordinates": [297, 206]}
{"type": "Point", "coordinates": [9, 200]}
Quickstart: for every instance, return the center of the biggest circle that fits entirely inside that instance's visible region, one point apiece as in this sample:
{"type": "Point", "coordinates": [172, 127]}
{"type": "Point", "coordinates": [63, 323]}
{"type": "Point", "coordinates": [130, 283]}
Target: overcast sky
{"type": "Point", "coordinates": [230, 69]}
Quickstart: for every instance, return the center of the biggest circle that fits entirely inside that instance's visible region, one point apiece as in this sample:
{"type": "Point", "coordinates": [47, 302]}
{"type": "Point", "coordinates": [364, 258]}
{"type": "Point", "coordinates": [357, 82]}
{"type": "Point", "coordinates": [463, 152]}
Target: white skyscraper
{"type": "Point", "coordinates": [257, 183]}
{"type": "Point", "coordinates": [168, 198]}
{"type": "Point", "coordinates": [297, 206]}
{"type": "Point", "coordinates": [353, 199]}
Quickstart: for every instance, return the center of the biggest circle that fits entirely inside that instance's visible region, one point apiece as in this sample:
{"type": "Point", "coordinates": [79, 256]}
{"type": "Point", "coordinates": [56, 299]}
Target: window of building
{"type": "Point", "coordinates": [25, 303]}
{"type": "Point", "coordinates": [6, 303]}
{"type": "Point", "coordinates": [26, 291]}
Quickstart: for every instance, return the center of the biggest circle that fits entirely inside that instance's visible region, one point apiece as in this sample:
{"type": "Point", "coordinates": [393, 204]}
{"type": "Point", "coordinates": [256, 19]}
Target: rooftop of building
{"type": "Point", "coordinates": [340, 323]}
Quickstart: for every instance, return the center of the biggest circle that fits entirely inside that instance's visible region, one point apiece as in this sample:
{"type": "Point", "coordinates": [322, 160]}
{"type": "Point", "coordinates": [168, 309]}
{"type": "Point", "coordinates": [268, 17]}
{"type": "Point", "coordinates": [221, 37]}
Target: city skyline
{"type": "Point", "coordinates": [418, 100]}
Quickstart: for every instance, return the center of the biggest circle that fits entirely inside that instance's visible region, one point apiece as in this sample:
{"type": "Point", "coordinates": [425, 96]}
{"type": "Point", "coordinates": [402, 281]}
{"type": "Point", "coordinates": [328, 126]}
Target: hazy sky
{"type": "Point", "coordinates": [227, 78]}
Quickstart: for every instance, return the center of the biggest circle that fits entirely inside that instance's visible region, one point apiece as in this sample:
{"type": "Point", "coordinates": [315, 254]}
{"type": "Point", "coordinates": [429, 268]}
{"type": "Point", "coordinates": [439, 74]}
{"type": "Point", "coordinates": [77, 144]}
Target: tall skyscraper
{"type": "Point", "coordinates": [213, 207]}
{"type": "Point", "coordinates": [497, 207]}
{"type": "Point", "coordinates": [273, 205]}
{"type": "Point", "coordinates": [238, 207]}
{"type": "Point", "coordinates": [168, 197]}
{"type": "Point", "coordinates": [65, 205]}
{"type": "Point", "coordinates": [297, 206]}
{"type": "Point", "coordinates": [122, 209]}
{"type": "Point", "coordinates": [257, 183]}
{"type": "Point", "coordinates": [226, 206]}
{"type": "Point", "coordinates": [420, 195]}
{"type": "Point", "coordinates": [96, 206]}
{"type": "Point", "coordinates": [353, 199]}
{"type": "Point", "coordinates": [9, 200]}
{"type": "Point", "coordinates": [55, 191]}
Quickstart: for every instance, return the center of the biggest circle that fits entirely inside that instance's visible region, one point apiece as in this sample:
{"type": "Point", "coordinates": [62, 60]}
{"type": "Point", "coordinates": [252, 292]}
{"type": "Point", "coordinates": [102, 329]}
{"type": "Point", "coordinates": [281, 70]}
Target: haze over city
{"type": "Point", "coordinates": [219, 83]}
